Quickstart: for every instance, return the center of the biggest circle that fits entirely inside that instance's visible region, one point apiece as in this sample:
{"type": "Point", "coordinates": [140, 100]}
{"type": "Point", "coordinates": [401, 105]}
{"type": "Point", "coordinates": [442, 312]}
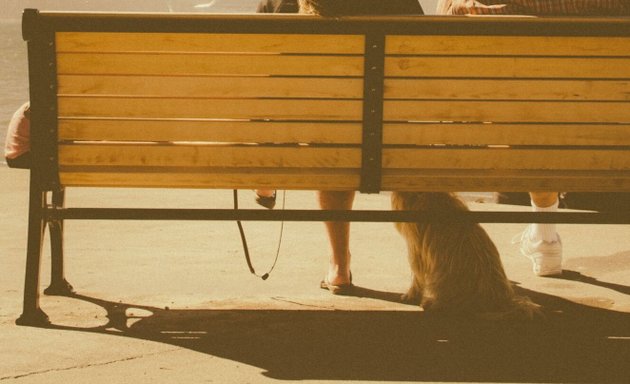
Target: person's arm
{"type": "Point", "coordinates": [18, 143]}
{"type": "Point", "coordinates": [536, 7]}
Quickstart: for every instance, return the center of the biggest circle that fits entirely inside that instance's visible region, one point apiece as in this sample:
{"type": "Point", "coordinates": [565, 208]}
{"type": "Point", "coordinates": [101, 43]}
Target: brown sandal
{"type": "Point", "coordinates": [342, 289]}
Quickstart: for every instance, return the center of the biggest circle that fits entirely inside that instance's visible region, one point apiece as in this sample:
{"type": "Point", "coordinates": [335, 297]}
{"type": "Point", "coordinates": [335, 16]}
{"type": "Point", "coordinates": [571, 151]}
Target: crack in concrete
{"type": "Point", "coordinates": [285, 300]}
{"type": "Point", "coordinates": [82, 366]}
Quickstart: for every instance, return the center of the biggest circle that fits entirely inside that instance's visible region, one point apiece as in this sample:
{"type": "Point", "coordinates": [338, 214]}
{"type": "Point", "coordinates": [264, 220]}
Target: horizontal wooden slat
{"type": "Point", "coordinates": [211, 108]}
{"type": "Point", "coordinates": [208, 156]}
{"type": "Point", "coordinates": [508, 45]}
{"type": "Point", "coordinates": [218, 131]}
{"type": "Point", "coordinates": [342, 179]}
{"type": "Point", "coordinates": [246, 178]}
{"type": "Point", "coordinates": [507, 89]}
{"type": "Point", "coordinates": [213, 87]}
{"type": "Point", "coordinates": [506, 134]}
{"type": "Point", "coordinates": [215, 42]}
{"type": "Point", "coordinates": [508, 67]}
{"type": "Point", "coordinates": [207, 64]}
{"type": "Point", "coordinates": [507, 181]}
{"type": "Point", "coordinates": [506, 158]}
{"type": "Point", "coordinates": [508, 111]}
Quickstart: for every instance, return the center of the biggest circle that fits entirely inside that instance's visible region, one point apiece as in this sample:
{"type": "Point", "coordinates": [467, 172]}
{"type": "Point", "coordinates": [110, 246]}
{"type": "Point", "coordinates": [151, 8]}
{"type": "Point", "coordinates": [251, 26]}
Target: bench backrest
{"type": "Point", "coordinates": [296, 102]}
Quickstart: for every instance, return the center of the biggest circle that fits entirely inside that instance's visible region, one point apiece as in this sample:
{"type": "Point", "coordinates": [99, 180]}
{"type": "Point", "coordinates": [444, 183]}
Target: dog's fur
{"type": "Point", "coordinates": [456, 266]}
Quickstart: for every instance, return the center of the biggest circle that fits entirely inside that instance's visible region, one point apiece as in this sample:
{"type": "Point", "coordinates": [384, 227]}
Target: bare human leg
{"type": "Point", "coordinates": [338, 235]}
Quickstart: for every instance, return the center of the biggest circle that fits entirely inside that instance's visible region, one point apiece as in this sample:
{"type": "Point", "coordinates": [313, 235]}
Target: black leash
{"type": "Point", "coordinates": [244, 240]}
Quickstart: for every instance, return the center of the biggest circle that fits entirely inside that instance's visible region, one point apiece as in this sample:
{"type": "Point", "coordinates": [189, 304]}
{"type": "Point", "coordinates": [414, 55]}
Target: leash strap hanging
{"type": "Point", "coordinates": [244, 241]}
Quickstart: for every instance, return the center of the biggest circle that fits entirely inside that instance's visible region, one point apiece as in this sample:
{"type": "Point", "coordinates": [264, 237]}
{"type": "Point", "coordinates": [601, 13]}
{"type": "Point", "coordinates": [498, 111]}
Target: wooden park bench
{"type": "Point", "coordinates": [297, 102]}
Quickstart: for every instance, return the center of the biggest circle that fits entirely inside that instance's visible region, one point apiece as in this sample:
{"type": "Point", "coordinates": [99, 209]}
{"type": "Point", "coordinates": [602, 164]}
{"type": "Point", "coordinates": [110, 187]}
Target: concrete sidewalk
{"type": "Point", "coordinates": [164, 302]}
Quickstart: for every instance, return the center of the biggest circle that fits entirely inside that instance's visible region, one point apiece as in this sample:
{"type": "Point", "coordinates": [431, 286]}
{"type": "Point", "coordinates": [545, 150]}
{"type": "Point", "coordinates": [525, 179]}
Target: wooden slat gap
{"type": "Point", "coordinates": [213, 53]}
{"type": "Point", "coordinates": [504, 100]}
{"type": "Point", "coordinates": [480, 55]}
{"type": "Point", "coordinates": [184, 119]}
{"type": "Point", "coordinates": [500, 146]}
{"type": "Point", "coordinates": [208, 75]}
{"type": "Point", "coordinates": [496, 78]}
{"type": "Point", "coordinates": [121, 96]}
{"type": "Point", "coordinates": [193, 143]}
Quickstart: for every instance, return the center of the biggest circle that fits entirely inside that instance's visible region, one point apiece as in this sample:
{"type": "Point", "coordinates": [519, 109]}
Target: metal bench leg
{"type": "Point", "coordinates": [32, 313]}
{"type": "Point", "coordinates": [58, 284]}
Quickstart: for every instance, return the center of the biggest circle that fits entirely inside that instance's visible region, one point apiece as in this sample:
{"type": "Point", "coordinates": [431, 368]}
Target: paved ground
{"type": "Point", "coordinates": [164, 302]}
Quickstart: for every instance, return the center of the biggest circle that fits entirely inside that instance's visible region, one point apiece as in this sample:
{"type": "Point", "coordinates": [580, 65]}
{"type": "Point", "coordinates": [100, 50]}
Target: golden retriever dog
{"type": "Point", "coordinates": [456, 266]}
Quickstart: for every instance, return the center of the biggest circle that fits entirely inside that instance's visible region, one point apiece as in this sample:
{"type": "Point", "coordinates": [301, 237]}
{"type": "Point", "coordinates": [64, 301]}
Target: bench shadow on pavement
{"type": "Point", "coordinates": [574, 343]}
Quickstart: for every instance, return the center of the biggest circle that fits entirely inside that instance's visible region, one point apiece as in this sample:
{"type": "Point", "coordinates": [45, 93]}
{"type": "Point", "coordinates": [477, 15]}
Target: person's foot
{"type": "Point", "coordinates": [546, 257]}
{"type": "Point", "coordinates": [337, 285]}
{"type": "Point", "coordinates": [266, 198]}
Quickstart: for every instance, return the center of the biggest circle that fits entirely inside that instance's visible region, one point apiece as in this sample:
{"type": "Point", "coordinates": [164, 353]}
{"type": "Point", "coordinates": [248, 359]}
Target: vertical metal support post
{"type": "Point", "coordinates": [44, 175]}
{"type": "Point", "coordinates": [58, 284]}
{"type": "Point", "coordinates": [371, 160]}
{"type": "Point", "coordinates": [32, 313]}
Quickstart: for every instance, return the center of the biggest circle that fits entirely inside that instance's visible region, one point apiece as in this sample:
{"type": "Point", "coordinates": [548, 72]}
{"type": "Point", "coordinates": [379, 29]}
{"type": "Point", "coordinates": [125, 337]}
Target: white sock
{"type": "Point", "coordinates": [545, 232]}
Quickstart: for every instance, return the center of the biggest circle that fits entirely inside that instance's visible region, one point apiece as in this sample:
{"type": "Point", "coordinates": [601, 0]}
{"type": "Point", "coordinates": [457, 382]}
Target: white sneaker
{"type": "Point", "coordinates": [546, 256]}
